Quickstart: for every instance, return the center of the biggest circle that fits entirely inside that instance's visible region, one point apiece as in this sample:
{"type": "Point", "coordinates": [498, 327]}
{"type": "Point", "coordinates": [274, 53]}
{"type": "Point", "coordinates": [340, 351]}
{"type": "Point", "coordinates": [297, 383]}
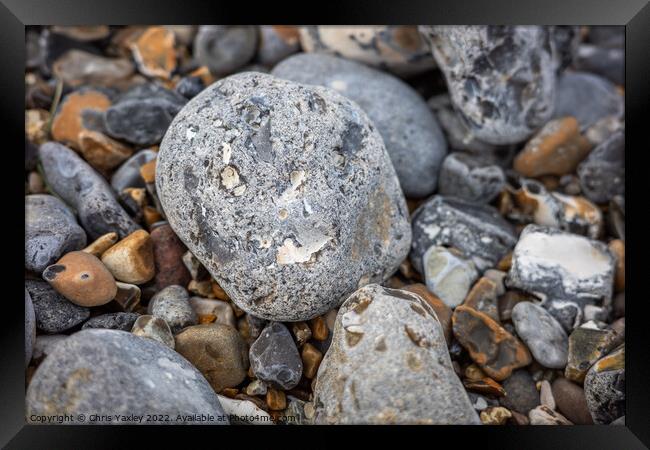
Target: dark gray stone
{"type": "Point", "coordinates": [225, 48]}
{"type": "Point", "coordinates": [470, 177]}
{"type": "Point", "coordinates": [543, 335]}
{"type": "Point", "coordinates": [113, 321]}
{"type": "Point", "coordinates": [128, 174]}
{"type": "Point", "coordinates": [51, 231]}
{"type": "Point", "coordinates": [140, 122]}
{"type": "Point", "coordinates": [30, 328]}
{"type": "Point", "coordinates": [172, 304]}
{"type": "Point", "coordinates": [568, 314]}
{"type": "Point", "coordinates": [111, 372]}
{"type": "Point", "coordinates": [602, 173]}
{"type": "Point", "coordinates": [567, 41]}
{"type": "Point", "coordinates": [85, 190]}
{"type": "Point", "coordinates": [54, 313]}
{"type": "Point", "coordinates": [274, 357]}
{"type": "Point", "coordinates": [521, 393]}
{"type": "Point", "coordinates": [273, 48]}
{"type": "Point", "coordinates": [190, 87]}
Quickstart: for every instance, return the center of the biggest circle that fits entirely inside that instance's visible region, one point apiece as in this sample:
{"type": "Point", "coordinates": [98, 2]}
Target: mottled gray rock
{"type": "Point", "coordinates": [448, 275]}
{"type": "Point", "coordinates": [153, 328]}
{"type": "Point", "coordinates": [51, 231]}
{"type": "Point", "coordinates": [280, 188]}
{"type": "Point", "coordinates": [500, 78]}
{"type": "Point", "coordinates": [113, 321]}
{"type": "Point", "coordinates": [85, 190]}
{"type": "Point", "coordinates": [276, 43]}
{"type": "Point", "coordinates": [45, 343]}
{"type": "Point", "coordinates": [274, 357]}
{"type": "Point", "coordinates": [128, 174]}
{"type": "Point", "coordinates": [111, 372]}
{"type": "Point", "coordinates": [587, 97]}
{"type": "Point", "coordinates": [172, 305]}
{"type": "Point", "coordinates": [478, 231]}
{"type": "Point", "coordinates": [225, 48]}
{"type": "Point", "coordinates": [389, 363]}
{"type": "Point", "coordinates": [521, 393]}
{"type": "Point", "coordinates": [605, 387]}
{"type": "Point", "coordinates": [568, 314]}
{"type": "Point", "coordinates": [411, 134]}
{"type": "Point", "coordinates": [562, 266]}
{"type": "Point", "coordinates": [470, 177]}
{"type": "Point", "coordinates": [30, 328]}
{"type": "Point", "coordinates": [602, 173]}
{"type": "Point", "coordinates": [54, 313]}
{"type": "Point", "coordinates": [544, 336]}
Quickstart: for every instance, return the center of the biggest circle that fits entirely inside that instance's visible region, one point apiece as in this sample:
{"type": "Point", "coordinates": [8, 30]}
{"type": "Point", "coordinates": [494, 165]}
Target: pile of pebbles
{"type": "Point", "coordinates": [325, 225]}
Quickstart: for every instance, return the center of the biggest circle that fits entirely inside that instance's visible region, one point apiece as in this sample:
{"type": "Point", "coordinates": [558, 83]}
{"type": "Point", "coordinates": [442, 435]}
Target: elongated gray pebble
{"type": "Point", "coordinates": [544, 336]}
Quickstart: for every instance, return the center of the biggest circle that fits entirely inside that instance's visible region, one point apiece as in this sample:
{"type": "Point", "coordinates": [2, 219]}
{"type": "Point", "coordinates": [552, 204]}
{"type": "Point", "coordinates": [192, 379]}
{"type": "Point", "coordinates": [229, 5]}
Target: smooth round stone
{"type": "Point", "coordinates": [274, 357]}
{"type": "Point", "coordinates": [602, 174]}
{"type": "Point", "coordinates": [30, 328]}
{"type": "Point", "coordinates": [113, 321]}
{"type": "Point", "coordinates": [153, 328]}
{"type": "Point", "coordinates": [51, 230]}
{"type": "Point", "coordinates": [109, 372]}
{"type": "Point", "coordinates": [217, 350]}
{"type": "Point", "coordinates": [53, 312]}
{"type": "Point", "coordinates": [571, 401]}
{"type": "Point", "coordinates": [389, 364]}
{"type": "Point", "coordinates": [128, 174]}
{"type": "Point", "coordinates": [544, 336]}
{"type": "Point", "coordinates": [280, 188]}
{"type": "Point", "coordinates": [521, 393]}
{"type": "Point", "coordinates": [276, 43]}
{"type": "Point", "coordinates": [80, 186]}
{"type": "Point", "coordinates": [500, 78]}
{"type": "Point", "coordinates": [172, 305]}
{"type": "Point", "coordinates": [225, 48]}
{"type": "Point", "coordinates": [605, 388]}
{"type": "Point", "coordinates": [587, 97]}
{"type": "Point", "coordinates": [470, 177]}
{"type": "Point", "coordinates": [411, 134]}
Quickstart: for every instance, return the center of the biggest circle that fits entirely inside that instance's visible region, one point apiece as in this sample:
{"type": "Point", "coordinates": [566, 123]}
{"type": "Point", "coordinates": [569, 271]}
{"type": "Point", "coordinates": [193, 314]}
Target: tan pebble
{"type": "Point", "coordinates": [36, 121]}
{"type": "Point", "coordinates": [474, 373]}
{"type": "Point", "coordinates": [151, 215]}
{"type": "Point", "coordinates": [319, 330]}
{"type": "Point", "coordinates": [154, 328]}
{"type": "Point", "coordinates": [154, 52]}
{"type": "Point", "coordinates": [485, 386]}
{"type": "Point", "coordinates": [68, 123]}
{"type": "Point", "coordinates": [229, 392]}
{"type": "Point", "coordinates": [218, 291]}
{"type": "Point", "coordinates": [148, 171]}
{"type": "Point", "coordinates": [139, 195]}
{"type": "Point", "coordinates": [201, 288]}
{"type": "Point", "coordinates": [35, 183]}
{"type": "Point", "coordinates": [543, 415]}
{"type": "Point", "coordinates": [309, 410]}
{"type": "Point", "coordinates": [407, 269]}
{"type": "Point", "coordinates": [330, 318]}
{"type": "Point", "coordinates": [495, 415]}
{"type": "Point", "coordinates": [617, 247]}
{"type": "Point", "coordinates": [276, 400]}
{"type": "Point", "coordinates": [131, 259]}
{"type": "Point", "coordinates": [546, 395]}
{"type": "Point", "coordinates": [311, 359]}
{"type": "Point", "coordinates": [101, 244]}
{"type": "Point", "coordinates": [81, 278]}
{"type": "Point", "coordinates": [101, 151]}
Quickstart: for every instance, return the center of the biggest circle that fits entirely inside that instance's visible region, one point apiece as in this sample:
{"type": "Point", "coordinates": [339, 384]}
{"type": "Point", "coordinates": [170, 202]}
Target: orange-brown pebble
{"type": "Point", "coordinates": [68, 121]}
{"type": "Point", "coordinates": [218, 291]}
{"type": "Point", "coordinates": [483, 297]}
{"type": "Point", "coordinates": [301, 332]}
{"type": "Point", "coordinates": [288, 33]}
{"type": "Point", "coordinates": [474, 373]}
{"type": "Point", "coordinates": [229, 392]}
{"type": "Point", "coordinates": [206, 318]}
{"type": "Point", "coordinates": [151, 215]}
{"type": "Point", "coordinates": [101, 151]}
{"type": "Point", "coordinates": [81, 278]}
{"type": "Point", "coordinates": [154, 52]}
{"type": "Point", "coordinates": [311, 359]}
{"type": "Point", "coordinates": [204, 74]}
{"type": "Point", "coordinates": [617, 247]}
{"type": "Point", "coordinates": [485, 386]}
{"type": "Point", "coordinates": [276, 400]}
{"type": "Point", "coordinates": [443, 312]}
{"type": "Point", "coordinates": [201, 288]}
{"type": "Point", "coordinates": [505, 263]}
{"type": "Point", "coordinates": [36, 121]}
{"type": "Point", "coordinates": [101, 244]}
{"type": "Point", "coordinates": [148, 171]}
{"type": "Point", "coordinates": [319, 330]}
{"type": "Point", "coordinates": [139, 195]}
{"type": "Point", "coordinates": [131, 259]}
{"type": "Point", "coordinates": [556, 149]}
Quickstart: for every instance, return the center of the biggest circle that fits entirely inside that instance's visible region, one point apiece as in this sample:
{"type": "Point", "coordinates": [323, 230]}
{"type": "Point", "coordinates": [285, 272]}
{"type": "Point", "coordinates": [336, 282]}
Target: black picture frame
{"type": "Point", "coordinates": [634, 14]}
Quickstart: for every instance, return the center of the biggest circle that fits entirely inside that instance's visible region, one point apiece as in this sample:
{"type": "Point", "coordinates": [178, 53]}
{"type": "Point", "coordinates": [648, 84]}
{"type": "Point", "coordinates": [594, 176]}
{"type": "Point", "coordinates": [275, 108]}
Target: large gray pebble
{"type": "Point", "coordinates": [30, 328]}
{"type": "Point", "coordinates": [470, 177]}
{"type": "Point", "coordinates": [477, 230]}
{"type": "Point", "coordinates": [51, 231]}
{"type": "Point", "coordinates": [109, 372]}
{"type": "Point", "coordinates": [412, 136]}
{"type": "Point", "coordinates": [86, 191]}
{"type": "Point", "coordinates": [284, 192]}
{"type": "Point", "coordinates": [172, 304]}
{"type": "Point", "coordinates": [113, 321]}
{"type": "Point", "coordinates": [128, 174]}
{"type": "Point", "coordinates": [501, 78]}
{"type": "Point", "coordinates": [544, 336]}
{"type": "Point", "coordinates": [602, 174]}
{"type": "Point", "coordinates": [389, 363]}
{"type": "Point", "coordinates": [225, 48]}
{"type": "Point", "coordinates": [54, 313]}
{"type": "Point", "coordinates": [274, 357]}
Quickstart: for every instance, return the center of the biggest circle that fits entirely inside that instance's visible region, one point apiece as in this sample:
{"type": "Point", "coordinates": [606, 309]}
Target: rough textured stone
{"type": "Point", "coordinates": [448, 275]}
{"type": "Point", "coordinates": [605, 387]}
{"type": "Point", "coordinates": [131, 260]}
{"type": "Point", "coordinates": [172, 305]}
{"type": "Point", "coordinates": [521, 393]}
{"type": "Point", "coordinates": [477, 59]}
{"type": "Point", "coordinates": [168, 251]}
{"type": "Point", "coordinates": [53, 312]}
{"type": "Point", "coordinates": [109, 372]}
{"type": "Point", "coordinates": [268, 214]}
{"type": "Point", "coordinates": [470, 177]}
{"type": "Point", "coordinates": [51, 230]}
{"type": "Point", "coordinates": [225, 48]}
{"type": "Point", "coordinates": [602, 174]}
{"type": "Point", "coordinates": [586, 346]}
{"type": "Point", "coordinates": [217, 351]}
{"type": "Point", "coordinates": [85, 190]}
{"type": "Point", "coordinates": [274, 357]}
{"type": "Point", "coordinates": [113, 321]}
{"type": "Point", "coordinates": [30, 328]}
{"type": "Point", "coordinates": [411, 134]}
{"type": "Point", "coordinates": [478, 231]}
{"type": "Point", "coordinates": [544, 336]}
{"type": "Point", "coordinates": [153, 328]}
{"type": "Point", "coordinates": [376, 372]}
{"type": "Point", "coordinates": [571, 401]}
{"type": "Point", "coordinates": [128, 174]}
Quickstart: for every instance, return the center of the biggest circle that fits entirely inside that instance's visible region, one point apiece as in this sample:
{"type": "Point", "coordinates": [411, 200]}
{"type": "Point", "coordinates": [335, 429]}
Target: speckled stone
{"type": "Point", "coordinates": [544, 336]}
{"type": "Point", "coordinates": [477, 59]}
{"type": "Point", "coordinates": [377, 372]}
{"type": "Point", "coordinates": [470, 177]}
{"type": "Point", "coordinates": [51, 230]}
{"type": "Point", "coordinates": [30, 328]}
{"type": "Point", "coordinates": [225, 48]}
{"type": "Point", "coordinates": [108, 372]}
{"type": "Point", "coordinates": [53, 312]}
{"type": "Point", "coordinates": [602, 174]}
{"type": "Point", "coordinates": [605, 387]}
{"type": "Point", "coordinates": [172, 305]}
{"type": "Point", "coordinates": [274, 357]}
{"type": "Point", "coordinates": [521, 393]}
{"type": "Point", "coordinates": [411, 134]}
{"type": "Point", "coordinates": [85, 190]}
{"type": "Point", "coordinates": [128, 174]}
{"type": "Point", "coordinates": [113, 321]}
{"type": "Point", "coordinates": [294, 193]}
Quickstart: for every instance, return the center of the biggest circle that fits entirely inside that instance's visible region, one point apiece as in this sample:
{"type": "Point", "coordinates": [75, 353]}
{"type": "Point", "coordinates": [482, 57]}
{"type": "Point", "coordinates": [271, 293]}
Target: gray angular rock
{"type": "Point", "coordinates": [602, 173]}
{"type": "Point", "coordinates": [274, 357]}
{"type": "Point", "coordinates": [113, 321]}
{"type": "Point", "coordinates": [544, 336]}
{"type": "Point", "coordinates": [51, 230]}
{"type": "Point", "coordinates": [470, 177]}
{"type": "Point", "coordinates": [605, 387]}
{"type": "Point", "coordinates": [85, 190]}
{"type": "Point", "coordinates": [500, 78]}
{"type": "Point", "coordinates": [172, 305]}
{"type": "Point", "coordinates": [30, 328]}
{"type": "Point", "coordinates": [280, 188]}
{"type": "Point", "coordinates": [128, 174]}
{"type": "Point", "coordinates": [587, 97]}
{"type": "Point", "coordinates": [53, 312]}
{"type": "Point", "coordinates": [410, 131]}
{"type": "Point", "coordinates": [225, 48]}
{"type": "Point", "coordinates": [477, 230]}
{"type": "Point", "coordinates": [389, 363]}
{"type": "Point", "coordinates": [109, 372]}
{"type": "Point", "coordinates": [521, 393]}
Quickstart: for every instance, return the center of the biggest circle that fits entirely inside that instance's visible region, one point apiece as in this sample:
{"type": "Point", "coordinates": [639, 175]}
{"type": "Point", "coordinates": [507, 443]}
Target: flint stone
{"type": "Point", "coordinates": [377, 373]}
{"type": "Point", "coordinates": [411, 134]}
{"type": "Point", "coordinates": [113, 321]}
{"type": "Point", "coordinates": [471, 178]}
{"type": "Point", "coordinates": [274, 357]}
{"type": "Point", "coordinates": [602, 174]}
{"type": "Point", "coordinates": [128, 174]}
{"type": "Point", "coordinates": [294, 193]}
{"type": "Point", "coordinates": [54, 313]}
{"type": "Point", "coordinates": [172, 304]}
{"type": "Point", "coordinates": [108, 372]}
{"type": "Point", "coordinates": [225, 48]}
{"type": "Point", "coordinates": [544, 336]}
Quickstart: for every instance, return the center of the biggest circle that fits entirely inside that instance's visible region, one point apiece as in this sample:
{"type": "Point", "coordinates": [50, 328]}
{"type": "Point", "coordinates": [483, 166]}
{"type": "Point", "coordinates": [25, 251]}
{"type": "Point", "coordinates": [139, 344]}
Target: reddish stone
{"type": "Point", "coordinates": [168, 257]}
